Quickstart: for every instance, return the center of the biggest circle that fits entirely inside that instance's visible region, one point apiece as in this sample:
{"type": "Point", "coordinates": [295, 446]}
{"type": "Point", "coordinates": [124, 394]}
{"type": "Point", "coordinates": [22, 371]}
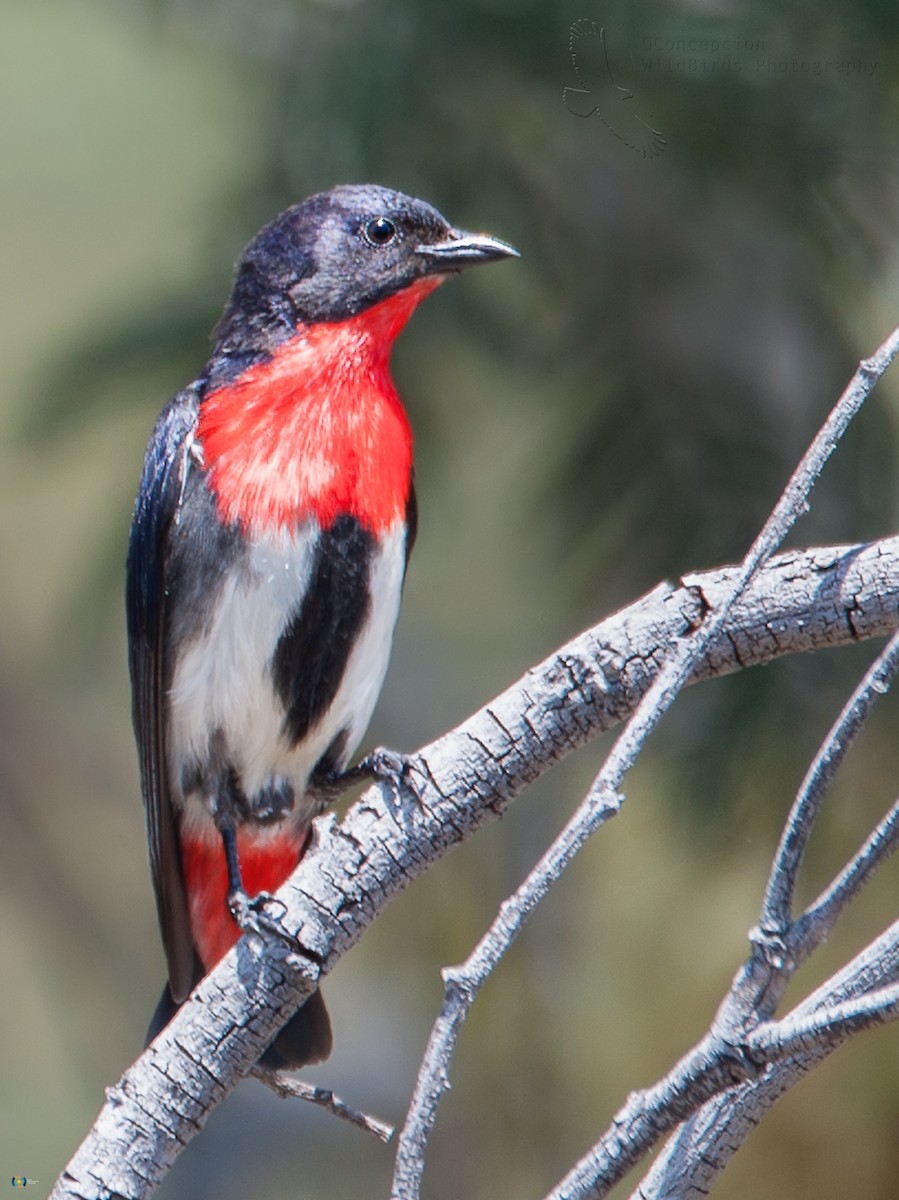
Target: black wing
{"type": "Point", "coordinates": [411, 519]}
{"type": "Point", "coordinates": [158, 503]}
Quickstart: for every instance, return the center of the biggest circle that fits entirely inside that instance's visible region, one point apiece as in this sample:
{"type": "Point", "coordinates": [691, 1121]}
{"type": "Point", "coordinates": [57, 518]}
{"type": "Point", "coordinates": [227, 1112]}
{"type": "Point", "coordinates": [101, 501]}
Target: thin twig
{"type": "Point", "coordinates": [690, 1161]}
{"type": "Point", "coordinates": [463, 983]}
{"type": "Point", "coordinates": [290, 1087]}
{"type": "Point", "coordinates": [819, 918]}
{"type": "Point", "coordinates": [714, 1067]}
{"type": "Point", "coordinates": [792, 504]}
{"type": "Point", "coordinates": [779, 1040]}
{"type": "Point", "coordinates": [780, 946]}
{"type": "Point", "coordinates": [861, 995]}
{"type": "Point", "coordinates": [778, 901]}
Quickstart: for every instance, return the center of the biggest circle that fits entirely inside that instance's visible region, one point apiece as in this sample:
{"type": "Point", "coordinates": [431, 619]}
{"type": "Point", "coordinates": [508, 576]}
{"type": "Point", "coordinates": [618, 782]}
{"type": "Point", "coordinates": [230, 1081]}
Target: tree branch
{"type": "Point", "coordinates": [603, 801]}
{"type": "Point", "coordinates": [803, 600]}
{"type": "Point", "coordinates": [742, 1040]}
{"type": "Point", "coordinates": [690, 1162]}
{"type": "Point", "coordinates": [778, 902]}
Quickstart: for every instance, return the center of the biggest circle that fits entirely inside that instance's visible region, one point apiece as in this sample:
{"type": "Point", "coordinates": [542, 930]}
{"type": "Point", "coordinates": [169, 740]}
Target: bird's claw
{"type": "Point", "coordinates": [389, 765]}
{"type": "Point", "coordinates": [250, 911]}
{"type": "Point", "coordinates": [253, 914]}
{"type": "Point", "coordinates": [401, 774]}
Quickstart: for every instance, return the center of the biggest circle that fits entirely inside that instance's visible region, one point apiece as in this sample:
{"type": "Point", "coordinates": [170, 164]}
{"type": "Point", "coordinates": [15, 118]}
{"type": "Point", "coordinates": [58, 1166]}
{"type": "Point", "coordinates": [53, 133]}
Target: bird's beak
{"type": "Point", "coordinates": [461, 249]}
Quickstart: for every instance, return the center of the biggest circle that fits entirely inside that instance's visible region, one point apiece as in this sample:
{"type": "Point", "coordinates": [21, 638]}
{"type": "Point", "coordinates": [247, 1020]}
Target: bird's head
{"type": "Point", "coordinates": [337, 254]}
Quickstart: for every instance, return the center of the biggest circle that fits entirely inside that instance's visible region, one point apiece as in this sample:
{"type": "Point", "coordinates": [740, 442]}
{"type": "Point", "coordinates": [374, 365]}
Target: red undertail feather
{"type": "Point", "coordinates": [318, 430]}
{"type": "Point", "coordinates": [265, 863]}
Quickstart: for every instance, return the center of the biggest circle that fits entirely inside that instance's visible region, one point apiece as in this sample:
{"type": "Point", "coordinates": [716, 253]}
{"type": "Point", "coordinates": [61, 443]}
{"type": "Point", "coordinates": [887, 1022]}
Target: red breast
{"type": "Point", "coordinates": [317, 430]}
{"type": "Point", "coordinates": [265, 863]}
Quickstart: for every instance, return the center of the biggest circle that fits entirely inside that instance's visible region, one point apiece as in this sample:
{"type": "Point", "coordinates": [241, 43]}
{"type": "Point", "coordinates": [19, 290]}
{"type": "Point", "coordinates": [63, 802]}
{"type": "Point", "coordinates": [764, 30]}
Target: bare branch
{"type": "Point", "coordinates": [863, 994]}
{"type": "Point", "coordinates": [693, 1158]}
{"type": "Point", "coordinates": [772, 626]}
{"type": "Point", "coordinates": [816, 922]}
{"type": "Point", "coordinates": [288, 1086]}
{"type": "Point", "coordinates": [777, 905]}
{"type": "Point", "coordinates": [737, 1076]}
{"type": "Point", "coordinates": [464, 982]}
{"type": "Point", "coordinates": [830, 1015]}
{"type": "Point", "coordinates": [602, 801]}
{"type": "Point", "coordinates": [710, 1068]}
{"type": "Point", "coordinates": [798, 1034]}
{"type": "Point", "coordinates": [716, 1069]}
{"type": "Point", "coordinates": [801, 601]}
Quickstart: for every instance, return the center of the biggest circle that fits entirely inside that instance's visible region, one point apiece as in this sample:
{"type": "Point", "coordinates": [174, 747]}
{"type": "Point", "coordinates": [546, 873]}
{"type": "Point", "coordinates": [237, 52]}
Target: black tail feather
{"type": "Point", "coordinates": [306, 1038]}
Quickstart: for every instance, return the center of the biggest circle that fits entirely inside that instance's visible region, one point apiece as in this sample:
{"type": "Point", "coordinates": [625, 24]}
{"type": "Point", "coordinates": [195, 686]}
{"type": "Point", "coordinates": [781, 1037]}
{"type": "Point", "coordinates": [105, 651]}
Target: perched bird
{"type": "Point", "coordinates": [273, 525]}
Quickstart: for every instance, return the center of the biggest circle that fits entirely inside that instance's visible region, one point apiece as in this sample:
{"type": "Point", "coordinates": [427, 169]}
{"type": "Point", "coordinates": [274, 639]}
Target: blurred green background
{"type": "Point", "coordinates": [623, 403]}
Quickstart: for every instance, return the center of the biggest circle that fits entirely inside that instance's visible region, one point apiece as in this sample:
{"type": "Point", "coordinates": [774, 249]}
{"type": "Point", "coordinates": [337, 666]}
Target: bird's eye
{"type": "Point", "coordinates": [379, 231]}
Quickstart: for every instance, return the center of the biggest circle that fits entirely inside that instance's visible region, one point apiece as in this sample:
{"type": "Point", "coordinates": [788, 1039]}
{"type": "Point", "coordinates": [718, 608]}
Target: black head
{"type": "Point", "coordinates": [335, 254]}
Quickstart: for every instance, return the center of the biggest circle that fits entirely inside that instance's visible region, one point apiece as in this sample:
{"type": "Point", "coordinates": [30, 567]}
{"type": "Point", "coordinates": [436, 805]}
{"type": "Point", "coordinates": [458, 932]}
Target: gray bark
{"type": "Point", "coordinates": [801, 601]}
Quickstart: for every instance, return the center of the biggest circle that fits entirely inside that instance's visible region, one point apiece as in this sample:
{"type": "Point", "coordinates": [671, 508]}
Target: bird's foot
{"type": "Point", "coordinates": [403, 776]}
{"type": "Point", "coordinates": [263, 915]}
{"type": "Point", "coordinates": [387, 765]}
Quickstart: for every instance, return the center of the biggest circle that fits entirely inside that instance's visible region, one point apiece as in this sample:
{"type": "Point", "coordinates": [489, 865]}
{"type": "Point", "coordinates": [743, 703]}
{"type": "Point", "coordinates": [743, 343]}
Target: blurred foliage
{"type": "Point", "coordinates": [623, 403]}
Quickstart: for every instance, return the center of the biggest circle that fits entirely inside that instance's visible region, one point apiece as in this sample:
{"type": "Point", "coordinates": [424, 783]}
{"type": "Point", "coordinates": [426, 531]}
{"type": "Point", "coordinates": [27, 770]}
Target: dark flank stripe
{"type": "Point", "coordinates": [202, 554]}
{"type": "Point", "coordinates": [311, 656]}
{"type": "Point", "coordinates": [411, 520]}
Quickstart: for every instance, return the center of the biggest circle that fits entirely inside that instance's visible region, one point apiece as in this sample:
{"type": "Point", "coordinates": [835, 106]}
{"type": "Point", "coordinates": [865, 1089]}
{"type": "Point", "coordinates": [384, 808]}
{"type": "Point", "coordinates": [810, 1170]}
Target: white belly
{"type": "Point", "coordinates": [223, 685]}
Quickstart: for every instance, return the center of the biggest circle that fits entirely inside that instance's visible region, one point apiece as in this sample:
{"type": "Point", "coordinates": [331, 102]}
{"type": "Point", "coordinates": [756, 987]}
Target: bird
{"type": "Point", "coordinates": [272, 529]}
